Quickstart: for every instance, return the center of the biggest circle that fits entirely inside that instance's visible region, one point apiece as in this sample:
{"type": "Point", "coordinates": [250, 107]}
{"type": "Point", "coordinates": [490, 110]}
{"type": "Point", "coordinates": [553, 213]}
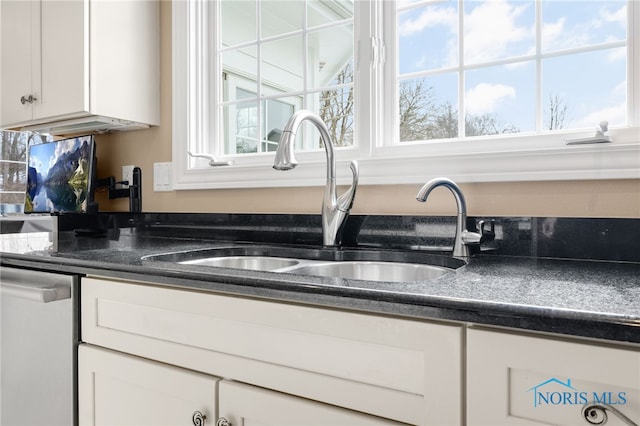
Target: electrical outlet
{"type": "Point", "coordinates": [127, 174]}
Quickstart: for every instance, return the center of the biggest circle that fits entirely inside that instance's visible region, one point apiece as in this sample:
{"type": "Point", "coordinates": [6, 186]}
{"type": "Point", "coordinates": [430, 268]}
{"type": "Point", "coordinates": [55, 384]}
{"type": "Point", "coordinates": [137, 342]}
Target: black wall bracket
{"type": "Point", "coordinates": [133, 192]}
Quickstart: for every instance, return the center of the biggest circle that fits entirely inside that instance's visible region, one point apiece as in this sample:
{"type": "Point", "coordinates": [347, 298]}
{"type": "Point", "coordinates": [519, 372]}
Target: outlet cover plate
{"type": "Point", "coordinates": [127, 174]}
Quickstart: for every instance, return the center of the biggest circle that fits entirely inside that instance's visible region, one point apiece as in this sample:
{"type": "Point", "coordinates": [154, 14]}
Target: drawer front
{"type": "Point", "coordinates": [400, 369]}
{"type": "Point", "coordinates": [515, 379]}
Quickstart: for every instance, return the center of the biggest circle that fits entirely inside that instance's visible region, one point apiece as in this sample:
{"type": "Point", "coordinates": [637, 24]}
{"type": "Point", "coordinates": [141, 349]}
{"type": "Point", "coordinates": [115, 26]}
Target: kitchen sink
{"type": "Point", "coordinates": [254, 263]}
{"type": "Point", "coordinates": [375, 271]}
{"type": "Point", "coordinates": [354, 264]}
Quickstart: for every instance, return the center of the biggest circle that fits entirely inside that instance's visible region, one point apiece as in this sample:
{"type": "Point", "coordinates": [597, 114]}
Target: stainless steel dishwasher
{"type": "Point", "coordinates": [38, 348]}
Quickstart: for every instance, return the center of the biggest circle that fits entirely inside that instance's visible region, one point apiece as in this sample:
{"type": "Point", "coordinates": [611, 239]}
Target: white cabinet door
{"type": "Point", "coordinates": [246, 405]}
{"type": "Point", "coordinates": [17, 45]}
{"type": "Point", "coordinates": [516, 379]}
{"type": "Point", "coordinates": [44, 59]}
{"type": "Point", "coordinates": [67, 59]}
{"type": "Point", "coordinates": [64, 63]}
{"type": "Point", "coordinates": [118, 389]}
{"type": "Point", "coordinates": [400, 369]}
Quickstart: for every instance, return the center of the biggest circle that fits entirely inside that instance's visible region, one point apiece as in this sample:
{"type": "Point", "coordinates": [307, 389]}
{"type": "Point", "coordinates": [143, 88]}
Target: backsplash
{"type": "Point", "coordinates": [568, 238]}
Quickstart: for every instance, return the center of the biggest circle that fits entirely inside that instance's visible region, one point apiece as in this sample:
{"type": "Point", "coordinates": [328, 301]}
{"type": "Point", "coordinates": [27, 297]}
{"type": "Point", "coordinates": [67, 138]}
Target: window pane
{"type": "Point", "coordinates": [336, 110]}
{"type": "Point", "coordinates": [568, 24]}
{"type": "Point", "coordinates": [329, 55]}
{"type": "Point", "coordinates": [13, 167]}
{"type": "Point", "coordinates": [243, 64]}
{"type": "Point", "coordinates": [406, 3]}
{"type": "Point", "coordinates": [600, 92]}
{"type": "Point", "coordinates": [500, 99]}
{"type": "Point", "coordinates": [428, 37]}
{"type": "Point", "coordinates": [498, 30]}
{"type": "Point", "coordinates": [321, 12]}
{"type": "Point", "coordinates": [13, 146]}
{"type": "Point", "coordinates": [282, 65]}
{"type": "Point", "coordinates": [280, 17]}
{"type": "Point", "coordinates": [276, 114]}
{"type": "Point", "coordinates": [502, 92]}
{"type": "Point", "coordinates": [290, 65]}
{"type": "Point", "coordinates": [238, 21]}
{"type": "Point", "coordinates": [428, 108]}
{"type": "Point", "coordinates": [242, 129]}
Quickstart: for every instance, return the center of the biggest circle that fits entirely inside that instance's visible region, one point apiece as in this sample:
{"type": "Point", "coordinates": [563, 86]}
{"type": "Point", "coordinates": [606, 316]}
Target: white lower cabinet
{"type": "Point", "coordinates": [155, 355]}
{"type": "Point", "coordinates": [305, 365]}
{"type": "Point", "coordinates": [241, 404]}
{"type": "Point", "coordinates": [522, 379]}
{"type": "Point", "coordinates": [119, 389]}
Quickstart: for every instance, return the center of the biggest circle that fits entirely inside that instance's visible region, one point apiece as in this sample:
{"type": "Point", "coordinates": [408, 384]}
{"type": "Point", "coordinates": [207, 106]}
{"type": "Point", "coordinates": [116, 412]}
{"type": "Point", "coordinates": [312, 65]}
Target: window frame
{"type": "Point", "coordinates": [478, 159]}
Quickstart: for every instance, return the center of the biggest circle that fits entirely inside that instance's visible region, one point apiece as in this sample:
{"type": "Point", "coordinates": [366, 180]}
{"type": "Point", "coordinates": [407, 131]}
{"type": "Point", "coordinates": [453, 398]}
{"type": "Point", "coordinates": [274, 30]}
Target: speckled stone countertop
{"type": "Point", "coordinates": [594, 299]}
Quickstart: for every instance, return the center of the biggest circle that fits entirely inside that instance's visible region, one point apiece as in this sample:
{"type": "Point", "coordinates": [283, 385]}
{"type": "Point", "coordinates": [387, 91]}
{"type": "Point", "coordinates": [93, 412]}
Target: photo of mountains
{"type": "Point", "coordinates": [59, 176]}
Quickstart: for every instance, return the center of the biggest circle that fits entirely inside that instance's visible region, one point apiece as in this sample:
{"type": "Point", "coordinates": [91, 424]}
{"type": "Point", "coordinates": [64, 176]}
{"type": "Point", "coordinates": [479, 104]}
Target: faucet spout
{"type": "Point", "coordinates": [463, 237]}
{"type": "Point", "coordinates": [335, 210]}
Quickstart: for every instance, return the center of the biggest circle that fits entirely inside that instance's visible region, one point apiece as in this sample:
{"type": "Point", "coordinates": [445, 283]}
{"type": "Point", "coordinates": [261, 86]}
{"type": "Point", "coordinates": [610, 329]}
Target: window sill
{"type": "Point", "coordinates": [575, 162]}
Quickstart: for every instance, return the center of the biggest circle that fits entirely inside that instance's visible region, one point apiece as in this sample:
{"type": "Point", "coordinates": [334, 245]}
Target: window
{"type": "Point", "coordinates": [505, 67]}
{"type": "Point", "coordinates": [473, 90]}
{"type": "Point", "coordinates": [13, 168]}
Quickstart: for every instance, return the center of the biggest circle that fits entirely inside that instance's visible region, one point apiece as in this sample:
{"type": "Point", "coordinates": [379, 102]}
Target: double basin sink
{"type": "Point", "coordinates": [355, 264]}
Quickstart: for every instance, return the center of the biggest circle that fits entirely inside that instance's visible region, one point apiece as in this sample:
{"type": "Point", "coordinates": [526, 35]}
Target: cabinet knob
{"type": "Point", "coordinates": [28, 99]}
{"type": "Point", "coordinates": [223, 422]}
{"type": "Point", "coordinates": [596, 414]}
{"type": "Point", "coordinates": [198, 418]}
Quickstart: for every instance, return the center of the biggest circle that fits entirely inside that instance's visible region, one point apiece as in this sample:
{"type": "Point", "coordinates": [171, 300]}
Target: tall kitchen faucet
{"type": "Point", "coordinates": [335, 210]}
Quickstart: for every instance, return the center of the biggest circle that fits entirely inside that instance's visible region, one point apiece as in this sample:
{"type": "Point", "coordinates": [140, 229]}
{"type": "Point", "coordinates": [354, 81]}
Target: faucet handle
{"type": "Point", "coordinates": [487, 234]}
{"type": "Point", "coordinates": [355, 171]}
{"type": "Point", "coordinates": [345, 201]}
{"type": "Point", "coordinates": [471, 238]}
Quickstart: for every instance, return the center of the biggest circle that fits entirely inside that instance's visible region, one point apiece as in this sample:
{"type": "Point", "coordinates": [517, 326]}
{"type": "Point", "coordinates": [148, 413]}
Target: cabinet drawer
{"type": "Point", "coordinates": [400, 369]}
{"type": "Point", "coordinates": [515, 379]}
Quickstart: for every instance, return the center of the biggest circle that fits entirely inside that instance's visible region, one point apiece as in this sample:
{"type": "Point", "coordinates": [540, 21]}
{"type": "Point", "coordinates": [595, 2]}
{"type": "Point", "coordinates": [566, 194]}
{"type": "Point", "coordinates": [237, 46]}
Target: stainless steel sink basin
{"type": "Point", "coordinates": [355, 264]}
{"type": "Point", "coordinates": [374, 271]}
{"type": "Point", "coordinates": [254, 263]}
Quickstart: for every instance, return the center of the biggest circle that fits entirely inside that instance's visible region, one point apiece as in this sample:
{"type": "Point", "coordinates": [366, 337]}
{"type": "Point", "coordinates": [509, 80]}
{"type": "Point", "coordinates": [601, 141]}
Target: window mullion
{"type": "Point", "coordinates": [217, 83]}
{"type": "Point", "coordinates": [633, 63]}
{"type": "Point", "coordinates": [385, 82]}
{"type": "Point", "coordinates": [461, 72]}
{"type": "Point", "coordinates": [373, 83]}
{"type": "Point", "coordinates": [538, 88]}
{"type": "Point", "coordinates": [259, 47]}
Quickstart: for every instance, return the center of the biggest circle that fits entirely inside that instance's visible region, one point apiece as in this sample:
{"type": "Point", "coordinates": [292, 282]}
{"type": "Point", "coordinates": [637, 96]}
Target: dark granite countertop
{"type": "Point", "coordinates": [594, 299]}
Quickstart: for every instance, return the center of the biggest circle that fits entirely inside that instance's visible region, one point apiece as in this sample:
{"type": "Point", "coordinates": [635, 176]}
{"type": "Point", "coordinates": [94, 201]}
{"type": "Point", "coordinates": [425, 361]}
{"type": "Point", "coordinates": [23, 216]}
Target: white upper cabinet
{"type": "Point", "coordinates": [79, 65]}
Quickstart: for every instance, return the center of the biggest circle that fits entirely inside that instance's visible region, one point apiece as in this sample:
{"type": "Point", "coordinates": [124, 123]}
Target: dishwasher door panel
{"type": "Point", "coordinates": [38, 339]}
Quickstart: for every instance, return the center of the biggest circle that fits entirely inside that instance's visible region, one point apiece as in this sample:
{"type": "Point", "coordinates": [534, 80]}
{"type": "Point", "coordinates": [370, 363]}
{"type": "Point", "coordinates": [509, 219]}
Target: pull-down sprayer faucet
{"type": "Point", "coordinates": [335, 210]}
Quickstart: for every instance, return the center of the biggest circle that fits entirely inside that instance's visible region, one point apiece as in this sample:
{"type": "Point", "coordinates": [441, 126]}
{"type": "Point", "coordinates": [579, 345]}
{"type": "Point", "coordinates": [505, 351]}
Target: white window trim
{"type": "Point", "coordinates": [518, 158]}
